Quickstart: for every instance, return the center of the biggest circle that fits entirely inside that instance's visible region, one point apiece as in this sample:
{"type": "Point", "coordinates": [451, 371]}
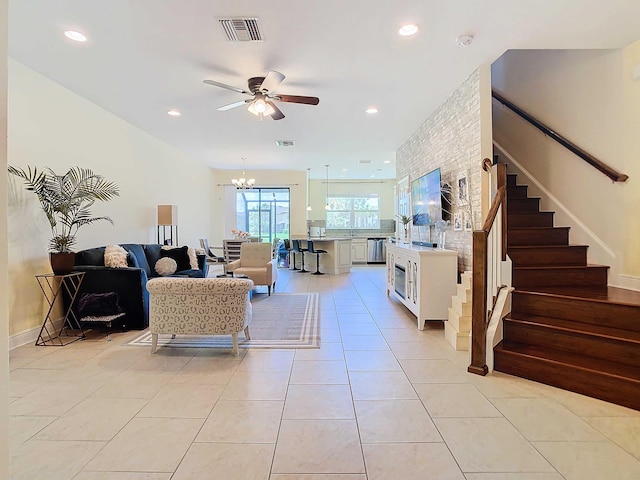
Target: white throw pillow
{"type": "Point", "coordinates": [115, 257]}
{"type": "Point", "coordinates": [165, 266]}
{"type": "Point", "coordinates": [193, 259]}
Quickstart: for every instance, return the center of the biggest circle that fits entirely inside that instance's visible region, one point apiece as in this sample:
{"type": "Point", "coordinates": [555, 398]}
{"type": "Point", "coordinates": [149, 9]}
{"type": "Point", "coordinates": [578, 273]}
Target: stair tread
{"type": "Point", "coordinates": [554, 267]}
{"type": "Point", "coordinates": [537, 228]}
{"type": "Point", "coordinates": [543, 247]}
{"type": "Point", "coordinates": [572, 360]}
{"type": "Point", "coordinates": [603, 294]}
{"type": "Point", "coordinates": [578, 327]}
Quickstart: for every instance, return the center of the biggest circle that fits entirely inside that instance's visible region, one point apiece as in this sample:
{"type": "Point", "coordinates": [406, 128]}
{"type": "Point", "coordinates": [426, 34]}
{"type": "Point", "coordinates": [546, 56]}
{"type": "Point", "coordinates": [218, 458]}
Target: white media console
{"type": "Point", "coordinates": [423, 278]}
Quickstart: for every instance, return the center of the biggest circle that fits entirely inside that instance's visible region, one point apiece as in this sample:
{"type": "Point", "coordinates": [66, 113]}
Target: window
{"type": "Point", "coordinates": [354, 211]}
{"type": "Point", "coordinates": [263, 212]}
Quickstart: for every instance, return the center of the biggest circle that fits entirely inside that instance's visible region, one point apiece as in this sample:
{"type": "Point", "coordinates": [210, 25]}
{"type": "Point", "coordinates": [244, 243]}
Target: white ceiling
{"type": "Point", "coordinates": [145, 57]}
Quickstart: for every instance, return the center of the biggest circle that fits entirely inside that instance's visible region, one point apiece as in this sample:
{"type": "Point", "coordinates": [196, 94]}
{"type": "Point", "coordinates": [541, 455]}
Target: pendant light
{"type": "Point", "coordinates": [243, 183]}
{"type": "Point", "coordinates": [308, 204]}
{"type": "Point", "coordinates": [327, 207]}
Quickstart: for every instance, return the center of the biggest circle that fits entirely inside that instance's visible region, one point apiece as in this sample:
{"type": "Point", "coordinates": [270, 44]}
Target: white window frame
{"type": "Point", "coordinates": [352, 212]}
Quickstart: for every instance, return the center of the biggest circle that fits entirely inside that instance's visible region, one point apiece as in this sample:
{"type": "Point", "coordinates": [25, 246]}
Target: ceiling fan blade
{"type": "Point", "coordinates": [297, 99]}
{"type": "Point", "coordinates": [228, 87]}
{"type": "Point", "coordinates": [277, 113]}
{"type": "Point", "coordinates": [233, 105]}
{"type": "Point", "coordinates": [271, 81]}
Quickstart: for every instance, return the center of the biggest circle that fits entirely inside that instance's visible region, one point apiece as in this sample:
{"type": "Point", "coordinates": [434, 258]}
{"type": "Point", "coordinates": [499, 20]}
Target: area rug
{"type": "Point", "coordinates": [282, 320]}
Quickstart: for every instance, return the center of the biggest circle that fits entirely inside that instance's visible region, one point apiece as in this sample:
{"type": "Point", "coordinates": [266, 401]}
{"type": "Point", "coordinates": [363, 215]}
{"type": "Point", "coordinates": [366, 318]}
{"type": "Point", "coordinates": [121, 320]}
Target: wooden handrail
{"type": "Point", "coordinates": [493, 211]}
{"type": "Point", "coordinates": [480, 285]}
{"type": "Point", "coordinates": [568, 144]}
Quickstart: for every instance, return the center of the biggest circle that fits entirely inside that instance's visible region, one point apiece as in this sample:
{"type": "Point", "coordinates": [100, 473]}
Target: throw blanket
{"type": "Point", "coordinates": [99, 304]}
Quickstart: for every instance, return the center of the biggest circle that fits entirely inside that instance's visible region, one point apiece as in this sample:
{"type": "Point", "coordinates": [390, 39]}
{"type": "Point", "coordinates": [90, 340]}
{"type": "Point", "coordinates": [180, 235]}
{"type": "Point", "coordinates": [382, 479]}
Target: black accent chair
{"type": "Point", "coordinates": [296, 248]}
{"type": "Point", "coordinates": [310, 249]}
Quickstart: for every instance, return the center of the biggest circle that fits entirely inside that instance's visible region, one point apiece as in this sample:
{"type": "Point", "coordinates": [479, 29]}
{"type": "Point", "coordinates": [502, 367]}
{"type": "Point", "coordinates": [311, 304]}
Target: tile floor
{"type": "Point", "coordinates": [380, 400]}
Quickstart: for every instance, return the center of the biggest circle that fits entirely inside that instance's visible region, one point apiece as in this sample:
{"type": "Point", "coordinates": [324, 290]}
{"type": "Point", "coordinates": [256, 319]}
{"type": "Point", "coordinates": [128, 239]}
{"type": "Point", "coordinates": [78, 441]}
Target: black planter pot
{"type": "Point", "coordinates": [62, 263]}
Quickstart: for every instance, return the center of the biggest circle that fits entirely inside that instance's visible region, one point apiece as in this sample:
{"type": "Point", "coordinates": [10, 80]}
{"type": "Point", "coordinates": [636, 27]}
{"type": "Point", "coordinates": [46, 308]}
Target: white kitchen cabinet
{"type": "Point", "coordinates": [359, 250]}
{"type": "Point", "coordinates": [423, 278]}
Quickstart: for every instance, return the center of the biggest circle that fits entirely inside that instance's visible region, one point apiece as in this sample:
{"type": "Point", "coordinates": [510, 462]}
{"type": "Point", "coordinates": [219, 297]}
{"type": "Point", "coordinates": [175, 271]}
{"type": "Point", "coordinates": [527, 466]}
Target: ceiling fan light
{"type": "Point", "coordinates": [260, 105]}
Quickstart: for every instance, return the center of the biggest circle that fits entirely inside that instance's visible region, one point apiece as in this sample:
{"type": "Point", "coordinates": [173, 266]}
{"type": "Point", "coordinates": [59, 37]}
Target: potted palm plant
{"type": "Point", "coordinates": [66, 201]}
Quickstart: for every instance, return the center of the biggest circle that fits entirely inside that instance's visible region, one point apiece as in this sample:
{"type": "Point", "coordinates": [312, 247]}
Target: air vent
{"type": "Point", "coordinates": [284, 143]}
{"type": "Point", "coordinates": [364, 161]}
{"type": "Point", "coordinates": [241, 29]}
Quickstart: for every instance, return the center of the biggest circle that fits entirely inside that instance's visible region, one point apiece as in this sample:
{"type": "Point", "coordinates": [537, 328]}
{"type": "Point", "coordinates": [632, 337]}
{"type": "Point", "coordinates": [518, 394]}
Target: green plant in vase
{"type": "Point", "coordinates": [405, 220]}
{"type": "Point", "coordinates": [66, 201]}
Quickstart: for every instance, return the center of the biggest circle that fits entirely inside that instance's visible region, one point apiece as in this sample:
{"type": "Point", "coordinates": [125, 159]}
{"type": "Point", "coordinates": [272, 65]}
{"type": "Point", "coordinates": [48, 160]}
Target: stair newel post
{"type": "Point", "coordinates": [479, 305]}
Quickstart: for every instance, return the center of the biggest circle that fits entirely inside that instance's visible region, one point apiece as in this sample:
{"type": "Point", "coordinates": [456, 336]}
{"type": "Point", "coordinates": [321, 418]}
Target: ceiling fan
{"type": "Point", "coordinates": [262, 97]}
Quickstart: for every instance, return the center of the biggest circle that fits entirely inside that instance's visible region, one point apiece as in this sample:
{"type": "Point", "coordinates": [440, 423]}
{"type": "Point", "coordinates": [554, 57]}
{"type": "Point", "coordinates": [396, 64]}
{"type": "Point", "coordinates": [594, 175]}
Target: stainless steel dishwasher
{"type": "Point", "coordinates": [376, 250]}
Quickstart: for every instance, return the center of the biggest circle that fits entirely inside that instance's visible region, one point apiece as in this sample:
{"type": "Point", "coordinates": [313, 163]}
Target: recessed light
{"type": "Point", "coordinates": [174, 113]}
{"type": "Point", "coordinates": [345, 169]}
{"type": "Point", "coordinates": [387, 161]}
{"type": "Point", "coordinates": [371, 110]}
{"type": "Point", "coordinates": [464, 40]}
{"type": "Point", "coordinates": [408, 30]}
{"type": "Point", "coordinates": [75, 36]}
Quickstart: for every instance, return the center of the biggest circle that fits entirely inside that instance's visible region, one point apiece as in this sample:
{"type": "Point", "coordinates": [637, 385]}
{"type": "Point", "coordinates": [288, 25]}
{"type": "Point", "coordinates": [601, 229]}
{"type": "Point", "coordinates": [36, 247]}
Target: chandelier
{"type": "Point", "coordinates": [243, 182]}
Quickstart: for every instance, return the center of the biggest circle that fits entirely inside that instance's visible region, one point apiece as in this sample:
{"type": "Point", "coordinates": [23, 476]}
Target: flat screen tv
{"type": "Point", "coordinates": [426, 203]}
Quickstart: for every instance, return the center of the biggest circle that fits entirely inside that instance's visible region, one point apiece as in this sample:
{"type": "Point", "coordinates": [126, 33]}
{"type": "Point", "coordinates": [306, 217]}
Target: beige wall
{"type": "Point", "coordinates": [589, 97]}
{"type": "Point", "coordinates": [631, 155]}
{"type": "Point", "coordinates": [318, 194]}
{"type": "Point", "coordinates": [451, 139]}
{"type": "Point", "coordinates": [50, 126]}
{"type": "Point", "coordinates": [222, 199]}
{"type": "Point", "coordinates": [4, 285]}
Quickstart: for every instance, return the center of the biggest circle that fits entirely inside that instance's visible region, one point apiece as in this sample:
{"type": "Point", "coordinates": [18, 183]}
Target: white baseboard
{"type": "Point", "coordinates": [28, 336]}
{"type": "Point", "coordinates": [23, 338]}
{"type": "Point", "coordinates": [629, 282]}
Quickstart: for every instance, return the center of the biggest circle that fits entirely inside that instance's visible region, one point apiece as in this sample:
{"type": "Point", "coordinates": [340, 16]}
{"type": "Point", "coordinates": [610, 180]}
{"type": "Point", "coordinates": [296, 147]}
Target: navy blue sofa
{"type": "Point", "coordinates": [130, 283]}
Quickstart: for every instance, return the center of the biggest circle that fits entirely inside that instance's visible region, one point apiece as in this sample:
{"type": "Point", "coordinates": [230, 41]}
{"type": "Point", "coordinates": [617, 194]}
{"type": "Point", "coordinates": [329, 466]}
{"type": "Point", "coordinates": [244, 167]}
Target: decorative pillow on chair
{"type": "Point", "coordinates": [182, 257]}
{"type": "Point", "coordinates": [115, 257]}
{"type": "Point", "coordinates": [166, 266]}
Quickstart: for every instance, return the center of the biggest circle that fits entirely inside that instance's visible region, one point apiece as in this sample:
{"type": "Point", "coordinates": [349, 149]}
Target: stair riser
{"type": "Point", "coordinates": [547, 236]}
{"type": "Point", "coordinates": [573, 255]}
{"type": "Point", "coordinates": [620, 351]}
{"type": "Point", "coordinates": [515, 205]}
{"type": "Point", "coordinates": [600, 313]}
{"type": "Point", "coordinates": [613, 389]}
{"type": "Point", "coordinates": [552, 277]}
{"type": "Point", "coordinates": [512, 179]}
{"type": "Point", "coordinates": [537, 219]}
{"type": "Point", "coordinates": [517, 191]}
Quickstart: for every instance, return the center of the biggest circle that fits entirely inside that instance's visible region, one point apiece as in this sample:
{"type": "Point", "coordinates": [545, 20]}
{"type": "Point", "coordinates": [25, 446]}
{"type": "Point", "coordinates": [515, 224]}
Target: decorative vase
{"type": "Point", "coordinates": [62, 262]}
{"type": "Point", "coordinates": [406, 234]}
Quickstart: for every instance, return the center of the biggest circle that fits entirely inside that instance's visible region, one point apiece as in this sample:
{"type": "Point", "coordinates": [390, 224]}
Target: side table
{"type": "Point", "coordinates": [55, 331]}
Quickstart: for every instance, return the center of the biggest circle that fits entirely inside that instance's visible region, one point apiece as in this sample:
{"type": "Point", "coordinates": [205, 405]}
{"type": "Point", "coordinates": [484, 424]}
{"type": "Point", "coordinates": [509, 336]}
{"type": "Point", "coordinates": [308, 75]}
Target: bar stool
{"type": "Point", "coordinates": [310, 249]}
{"type": "Point", "coordinates": [295, 248]}
{"type": "Point", "coordinates": [292, 254]}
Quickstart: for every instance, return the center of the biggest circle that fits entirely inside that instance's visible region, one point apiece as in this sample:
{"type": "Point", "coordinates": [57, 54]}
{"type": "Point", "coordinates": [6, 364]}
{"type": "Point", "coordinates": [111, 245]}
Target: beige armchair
{"type": "Point", "coordinates": [256, 262]}
{"type": "Point", "coordinates": [199, 306]}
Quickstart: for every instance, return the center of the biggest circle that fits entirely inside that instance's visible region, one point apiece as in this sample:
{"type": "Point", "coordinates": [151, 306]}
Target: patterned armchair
{"type": "Point", "coordinates": [256, 262]}
{"type": "Point", "coordinates": [199, 306]}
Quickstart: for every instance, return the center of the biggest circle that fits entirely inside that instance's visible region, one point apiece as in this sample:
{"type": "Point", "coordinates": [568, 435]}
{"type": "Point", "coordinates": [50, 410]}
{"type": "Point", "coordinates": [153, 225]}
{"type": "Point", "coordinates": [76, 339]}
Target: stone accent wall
{"type": "Point", "coordinates": [449, 140]}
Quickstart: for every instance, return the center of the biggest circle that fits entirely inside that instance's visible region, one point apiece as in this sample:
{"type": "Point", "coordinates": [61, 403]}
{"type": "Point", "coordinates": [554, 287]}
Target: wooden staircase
{"type": "Point", "coordinates": [566, 328]}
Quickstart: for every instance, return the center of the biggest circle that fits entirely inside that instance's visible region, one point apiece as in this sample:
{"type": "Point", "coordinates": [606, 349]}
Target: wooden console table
{"type": "Point", "coordinates": [56, 331]}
